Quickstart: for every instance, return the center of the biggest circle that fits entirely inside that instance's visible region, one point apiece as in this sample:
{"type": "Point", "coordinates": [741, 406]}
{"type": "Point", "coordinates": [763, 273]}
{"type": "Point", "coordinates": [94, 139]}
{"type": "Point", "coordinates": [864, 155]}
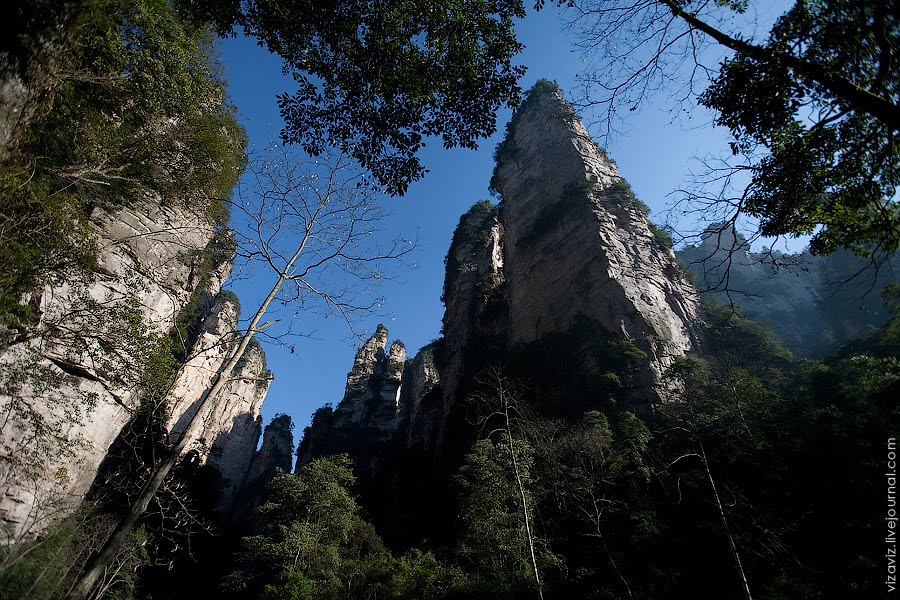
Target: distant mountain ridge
{"type": "Point", "coordinates": [813, 304]}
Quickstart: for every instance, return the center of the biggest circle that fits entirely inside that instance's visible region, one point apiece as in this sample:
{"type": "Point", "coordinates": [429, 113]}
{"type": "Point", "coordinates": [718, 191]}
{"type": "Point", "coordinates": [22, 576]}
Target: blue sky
{"type": "Point", "coordinates": [654, 156]}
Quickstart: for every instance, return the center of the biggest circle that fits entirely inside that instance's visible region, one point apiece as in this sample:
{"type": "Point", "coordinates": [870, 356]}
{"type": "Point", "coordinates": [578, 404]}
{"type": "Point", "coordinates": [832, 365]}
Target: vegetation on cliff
{"type": "Point", "coordinates": [126, 106]}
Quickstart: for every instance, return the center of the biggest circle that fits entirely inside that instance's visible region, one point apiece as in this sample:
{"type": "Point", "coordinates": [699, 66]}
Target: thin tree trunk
{"type": "Point", "coordinates": [101, 561]}
{"type": "Point", "coordinates": [734, 551]}
{"type": "Point", "coordinates": [528, 533]}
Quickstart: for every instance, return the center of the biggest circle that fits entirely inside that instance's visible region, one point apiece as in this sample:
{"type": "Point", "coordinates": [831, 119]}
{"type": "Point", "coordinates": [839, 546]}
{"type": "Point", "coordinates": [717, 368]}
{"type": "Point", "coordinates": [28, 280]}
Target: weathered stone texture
{"type": "Point", "coordinates": [387, 398]}
{"type": "Point", "coordinates": [574, 248]}
{"type": "Point", "coordinates": [276, 452]}
{"type": "Point", "coordinates": [148, 257]}
{"type": "Point", "coordinates": [371, 400]}
{"type": "Point", "coordinates": [568, 246]}
{"type": "Point", "coordinates": [473, 282]}
{"type": "Point", "coordinates": [230, 433]}
{"type": "Point", "coordinates": [421, 403]}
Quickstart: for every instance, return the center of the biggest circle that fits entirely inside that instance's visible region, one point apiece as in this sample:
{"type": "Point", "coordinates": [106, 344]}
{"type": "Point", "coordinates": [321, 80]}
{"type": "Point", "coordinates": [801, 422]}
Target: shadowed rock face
{"type": "Point", "coordinates": [577, 245]}
{"type": "Point", "coordinates": [370, 409]}
{"type": "Point", "coordinates": [372, 396]}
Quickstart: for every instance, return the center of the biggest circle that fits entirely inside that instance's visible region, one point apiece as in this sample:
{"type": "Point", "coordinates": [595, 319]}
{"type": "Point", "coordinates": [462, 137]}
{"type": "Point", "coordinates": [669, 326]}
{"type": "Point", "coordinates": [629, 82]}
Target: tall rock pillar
{"type": "Point", "coordinates": [578, 245]}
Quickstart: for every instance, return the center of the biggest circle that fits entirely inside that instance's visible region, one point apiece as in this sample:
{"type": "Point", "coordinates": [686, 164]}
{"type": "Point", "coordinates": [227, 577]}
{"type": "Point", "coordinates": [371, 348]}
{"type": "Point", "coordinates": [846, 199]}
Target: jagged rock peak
{"type": "Point", "coordinates": [372, 395]}
{"type": "Point", "coordinates": [578, 243]}
{"type": "Point", "coordinates": [370, 410]}
{"type": "Point", "coordinates": [276, 452]}
{"type": "Point", "coordinates": [369, 357]}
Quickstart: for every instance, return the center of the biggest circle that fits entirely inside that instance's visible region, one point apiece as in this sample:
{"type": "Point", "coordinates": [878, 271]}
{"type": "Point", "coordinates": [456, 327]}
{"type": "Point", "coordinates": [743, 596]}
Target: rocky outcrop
{"type": "Point", "coordinates": [421, 400]}
{"type": "Point", "coordinates": [578, 246]}
{"type": "Point", "coordinates": [569, 260]}
{"type": "Point", "coordinates": [229, 434]}
{"type": "Point", "coordinates": [803, 298]}
{"type": "Point", "coordinates": [370, 409]}
{"type": "Point", "coordinates": [73, 381]}
{"type": "Point", "coordinates": [372, 396]}
{"type": "Point", "coordinates": [276, 452]}
{"type": "Point", "coordinates": [474, 296]}
{"type": "Point", "coordinates": [388, 400]}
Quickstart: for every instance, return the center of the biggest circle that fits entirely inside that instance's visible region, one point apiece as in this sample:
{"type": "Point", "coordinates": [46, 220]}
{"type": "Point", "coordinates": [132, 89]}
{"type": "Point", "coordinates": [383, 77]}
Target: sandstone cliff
{"type": "Point", "coordinates": [74, 379]}
{"type": "Point", "coordinates": [566, 281]}
{"type": "Point", "coordinates": [370, 410]}
{"type": "Point", "coordinates": [578, 245]}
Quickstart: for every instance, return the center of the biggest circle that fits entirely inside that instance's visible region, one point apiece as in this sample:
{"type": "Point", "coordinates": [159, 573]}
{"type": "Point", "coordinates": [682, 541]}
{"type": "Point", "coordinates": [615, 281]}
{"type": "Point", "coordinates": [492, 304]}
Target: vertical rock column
{"type": "Point", "coordinates": [578, 245]}
{"type": "Point", "coordinates": [473, 297]}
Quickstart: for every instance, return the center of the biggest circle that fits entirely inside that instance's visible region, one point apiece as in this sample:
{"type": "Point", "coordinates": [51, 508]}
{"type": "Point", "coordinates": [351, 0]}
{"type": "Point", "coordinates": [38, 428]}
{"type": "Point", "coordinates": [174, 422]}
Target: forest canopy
{"type": "Point", "coordinates": [375, 79]}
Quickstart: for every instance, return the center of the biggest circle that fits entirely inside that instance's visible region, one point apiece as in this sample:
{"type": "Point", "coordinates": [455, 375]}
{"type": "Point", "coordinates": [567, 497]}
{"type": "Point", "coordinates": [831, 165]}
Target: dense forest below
{"type": "Point", "coordinates": [674, 450]}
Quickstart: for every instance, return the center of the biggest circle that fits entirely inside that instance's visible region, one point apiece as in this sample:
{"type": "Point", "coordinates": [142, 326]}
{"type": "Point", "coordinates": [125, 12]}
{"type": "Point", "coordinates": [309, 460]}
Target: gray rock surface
{"type": "Point", "coordinates": [421, 400]}
{"type": "Point", "coordinates": [576, 246]}
{"type": "Point", "coordinates": [474, 296]}
{"type": "Point", "coordinates": [78, 370]}
{"type": "Point", "coordinates": [372, 397]}
{"type": "Point", "coordinates": [230, 434]}
{"type": "Point", "coordinates": [387, 399]}
{"type": "Point", "coordinates": [567, 246]}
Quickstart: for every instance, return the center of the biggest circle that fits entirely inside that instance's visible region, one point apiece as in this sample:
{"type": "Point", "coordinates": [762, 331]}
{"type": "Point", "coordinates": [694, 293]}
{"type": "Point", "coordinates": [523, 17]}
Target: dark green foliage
{"type": "Point", "coordinates": [569, 384]}
{"type": "Point", "coordinates": [44, 568]}
{"type": "Point", "coordinates": [316, 545]}
{"type": "Point", "coordinates": [820, 99]}
{"type": "Point", "coordinates": [492, 540]}
{"type": "Point", "coordinates": [129, 106]}
{"type": "Point", "coordinates": [309, 519]}
{"type": "Point", "coordinates": [624, 505]}
{"type": "Point", "coordinates": [797, 453]}
{"type": "Point", "coordinates": [620, 192]}
{"type": "Point", "coordinates": [594, 474]}
{"type": "Point", "coordinates": [375, 80]}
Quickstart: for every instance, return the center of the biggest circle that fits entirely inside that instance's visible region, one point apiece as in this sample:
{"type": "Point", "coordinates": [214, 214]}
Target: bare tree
{"type": "Point", "coordinates": [313, 224]}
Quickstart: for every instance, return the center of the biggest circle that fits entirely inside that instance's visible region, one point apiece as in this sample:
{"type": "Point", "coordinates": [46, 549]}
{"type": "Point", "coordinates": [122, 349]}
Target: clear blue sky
{"type": "Point", "coordinates": [654, 156]}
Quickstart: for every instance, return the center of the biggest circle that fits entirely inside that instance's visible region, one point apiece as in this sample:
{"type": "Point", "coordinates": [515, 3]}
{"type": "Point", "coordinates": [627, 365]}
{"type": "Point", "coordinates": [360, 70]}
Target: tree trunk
{"type": "Point", "coordinates": [522, 496]}
{"type": "Point", "coordinates": [745, 586]}
{"type": "Point", "coordinates": [97, 565]}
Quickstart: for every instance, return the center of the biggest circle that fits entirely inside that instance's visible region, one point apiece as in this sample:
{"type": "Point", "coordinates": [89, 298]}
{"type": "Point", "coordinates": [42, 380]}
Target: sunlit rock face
{"type": "Point", "coordinates": [230, 432]}
{"type": "Point", "coordinates": [569, 248]}
{"type": "Point", "coordinates": [577, 248]}
{"type": "Point", "coordinates": [78, 370]}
